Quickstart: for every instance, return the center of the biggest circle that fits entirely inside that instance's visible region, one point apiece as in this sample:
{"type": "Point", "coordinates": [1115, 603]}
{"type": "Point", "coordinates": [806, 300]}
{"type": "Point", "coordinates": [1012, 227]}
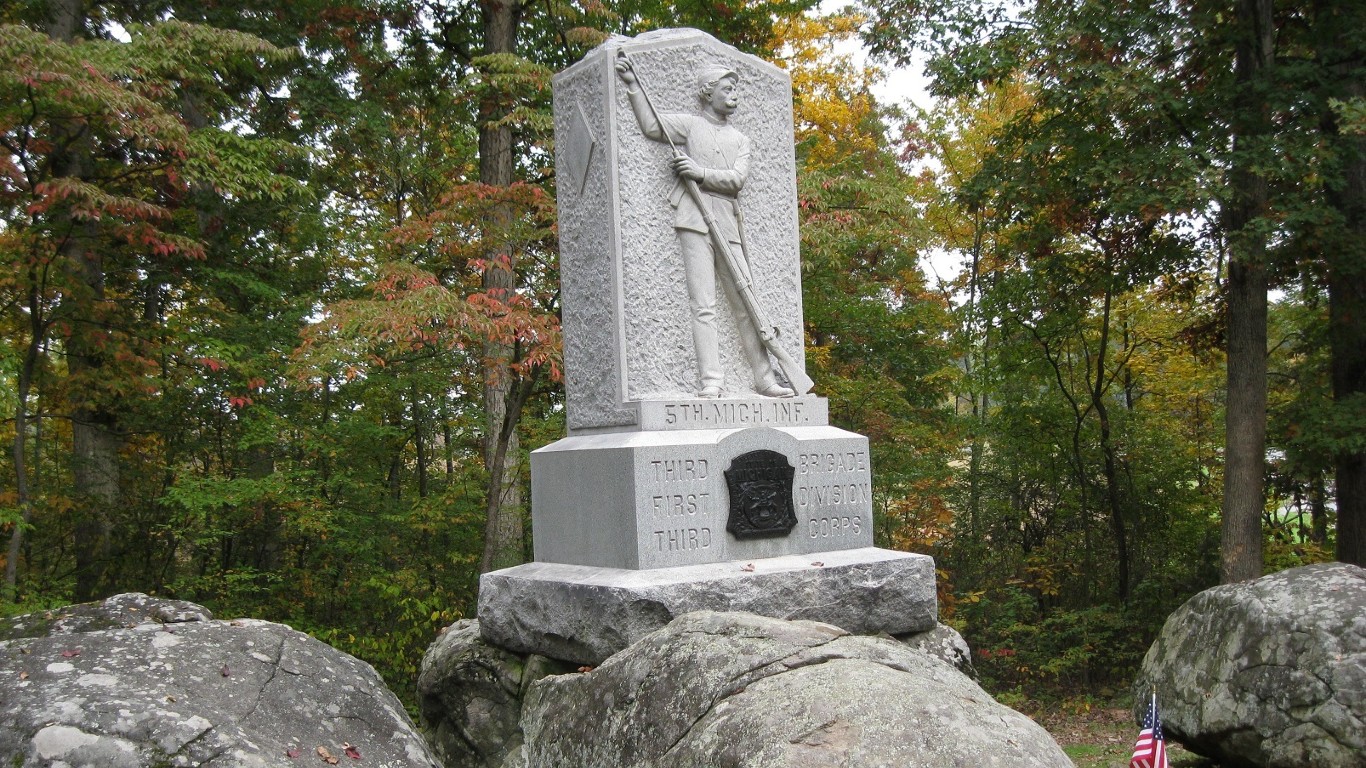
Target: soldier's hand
{"type": "Point", "coordinates": [687, 167]}
{"type": "Point", "coordinates": [625, 72]}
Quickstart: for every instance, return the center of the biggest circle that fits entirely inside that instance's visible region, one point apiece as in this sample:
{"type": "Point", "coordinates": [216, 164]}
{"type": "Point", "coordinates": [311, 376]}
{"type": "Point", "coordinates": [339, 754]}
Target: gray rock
{"type": "Point", "coordinates": [471, 697]}
{"type": "Point", "coordinates": [1270, 672]}
{"type": "Point", "coordinates": [715, 689]}
{"type": "Point", "coordinates": [944, 643]}
{"type": "Point", "coordinates": [137, 681]}
{"type": "Point", "coordinates": [585, 614]}
{"type": "Point", "coordinates": [120, 611]}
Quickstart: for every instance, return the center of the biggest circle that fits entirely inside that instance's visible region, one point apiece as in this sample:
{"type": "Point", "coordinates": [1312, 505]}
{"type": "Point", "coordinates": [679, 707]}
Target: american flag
{"type": "Point", "coordinates": [1151, 749]}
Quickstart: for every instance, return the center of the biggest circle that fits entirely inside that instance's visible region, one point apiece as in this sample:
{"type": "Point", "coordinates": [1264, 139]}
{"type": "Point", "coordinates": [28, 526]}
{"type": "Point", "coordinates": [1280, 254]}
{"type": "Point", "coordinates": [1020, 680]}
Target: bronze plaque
{"type": "Point", "coordinates": [760, 484]}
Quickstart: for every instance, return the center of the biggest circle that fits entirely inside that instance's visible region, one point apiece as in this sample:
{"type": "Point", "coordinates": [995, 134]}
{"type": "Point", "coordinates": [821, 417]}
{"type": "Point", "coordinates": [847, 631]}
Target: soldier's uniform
{"type": "Point", "coordinates": [723, 152]}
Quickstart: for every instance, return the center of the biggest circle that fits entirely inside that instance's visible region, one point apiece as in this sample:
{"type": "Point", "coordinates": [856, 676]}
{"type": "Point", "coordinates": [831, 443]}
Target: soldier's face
{"type": "Point", "coordinates": [723, 97]}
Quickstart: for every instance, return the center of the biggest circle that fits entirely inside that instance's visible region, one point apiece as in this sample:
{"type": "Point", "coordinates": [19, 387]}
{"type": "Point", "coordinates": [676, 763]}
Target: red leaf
{"type": "Point", "coordinates": [71, 652]}
{"type": "Point", "coordinates": [225, 672]}
{"type": "Point", "coordinates": [292, 752]}
{"type": "Point", "coordinates": [351, 751]}
{"type": "Point", "coordinates": [747, 567]}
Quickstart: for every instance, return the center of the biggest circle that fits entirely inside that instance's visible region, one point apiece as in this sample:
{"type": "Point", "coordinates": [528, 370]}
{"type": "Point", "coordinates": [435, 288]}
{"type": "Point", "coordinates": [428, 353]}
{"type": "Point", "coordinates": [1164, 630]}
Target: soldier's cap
{"type": "Point", "coordinates": [714, 74]}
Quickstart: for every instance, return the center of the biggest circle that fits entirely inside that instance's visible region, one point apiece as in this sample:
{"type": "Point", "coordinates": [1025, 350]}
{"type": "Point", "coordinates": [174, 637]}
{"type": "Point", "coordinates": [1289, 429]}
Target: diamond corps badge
{"type": "Point", "coordinates": [760, 484]}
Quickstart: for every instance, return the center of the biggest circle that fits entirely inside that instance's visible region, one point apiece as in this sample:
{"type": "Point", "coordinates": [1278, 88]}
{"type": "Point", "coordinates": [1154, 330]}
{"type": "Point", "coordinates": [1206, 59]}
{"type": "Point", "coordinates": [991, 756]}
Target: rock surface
{"type": "Point", "coordinates": [471, 696]}
{"type": "Point", "coordinates": [1270, 672]}
{"type": "Point", "coordinates": [944, 643]}
{"type": "Point", "coordinates": [714, 689]}
{"type": "Point", "coordinates": [136, 681]}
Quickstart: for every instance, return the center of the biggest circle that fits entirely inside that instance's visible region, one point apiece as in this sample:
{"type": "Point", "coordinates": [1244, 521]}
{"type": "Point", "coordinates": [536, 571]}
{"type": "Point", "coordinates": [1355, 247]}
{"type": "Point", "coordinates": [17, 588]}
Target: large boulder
{"type": "Point", "coordinates": [471, 691]}
{"type": "Point", "coordinates": [135, 681]}
{"type": "Point", "coordinates": [733, 689]}
{"type": "Point", "coordinates": [470, 696]}
{"type": "Point", "coordinates": [1269, 672]}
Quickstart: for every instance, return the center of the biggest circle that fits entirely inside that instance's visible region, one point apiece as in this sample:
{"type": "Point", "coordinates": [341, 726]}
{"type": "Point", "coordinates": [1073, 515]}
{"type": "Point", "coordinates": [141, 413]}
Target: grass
{"type": "Point", "coordinates": [1101, 736]}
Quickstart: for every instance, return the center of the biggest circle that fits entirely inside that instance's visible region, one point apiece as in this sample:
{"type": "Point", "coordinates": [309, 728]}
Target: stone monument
{"type": "Point", "coordinates": [698, 472]}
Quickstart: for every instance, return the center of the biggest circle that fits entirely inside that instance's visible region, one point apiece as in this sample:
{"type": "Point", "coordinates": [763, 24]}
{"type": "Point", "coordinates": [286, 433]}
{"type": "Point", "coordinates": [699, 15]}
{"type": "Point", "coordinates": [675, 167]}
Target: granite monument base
{"type": "Point", "coordinates": [661, 498]}
{"type": "Point", "coordinates": [584, 614]}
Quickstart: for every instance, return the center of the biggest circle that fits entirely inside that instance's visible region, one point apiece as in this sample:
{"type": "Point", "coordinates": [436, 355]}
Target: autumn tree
{"type": "Point", "coordinates": [100, 161]}
{"type": "Point", "coordinates": [874, 329]}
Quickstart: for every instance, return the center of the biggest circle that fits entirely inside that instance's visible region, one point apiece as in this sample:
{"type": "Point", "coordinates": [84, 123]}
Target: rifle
{"type": "Point", "coordinates": [768, 334]}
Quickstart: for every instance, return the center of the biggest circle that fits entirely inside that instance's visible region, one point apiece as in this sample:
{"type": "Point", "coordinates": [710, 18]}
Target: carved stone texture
{"type": "Point", "coordinates": [760, 485]}
{"type": "Point", "coordinates": [1269, 672]}
{"type": "Point", "coordinates": [731, 689]}
{"type": "Point", "coordinates": [586, 614]}
{"type": "Point", "coordinates": [590, 264]}
{"type": "Point", "coordinates": [627, 322]}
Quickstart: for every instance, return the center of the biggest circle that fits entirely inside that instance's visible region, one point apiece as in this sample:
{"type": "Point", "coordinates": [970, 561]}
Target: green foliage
{"type": "Point", "coordinates": [1019, 645]}
{"type": "Point", "coordinates": [1351, 114]}
{"type": "Point", "coordinates": [1077, 171]}
{"type": "Point", "coordinates": [399, 627]}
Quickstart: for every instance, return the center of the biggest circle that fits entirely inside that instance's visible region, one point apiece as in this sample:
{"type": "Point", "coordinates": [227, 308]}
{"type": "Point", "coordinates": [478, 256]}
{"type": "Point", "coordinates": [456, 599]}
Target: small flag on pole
{"type": "Point", "coordinates": [1151, 749]}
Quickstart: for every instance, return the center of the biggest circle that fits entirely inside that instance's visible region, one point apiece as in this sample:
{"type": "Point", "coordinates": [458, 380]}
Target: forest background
{"type": "Point", "coordinates": [280, 301]}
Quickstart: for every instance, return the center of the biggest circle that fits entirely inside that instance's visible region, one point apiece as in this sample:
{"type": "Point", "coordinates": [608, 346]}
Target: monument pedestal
{"type": "Point", "coordinates": [664, 498]}
{"type": "Point", "coordinates": [585, 614]}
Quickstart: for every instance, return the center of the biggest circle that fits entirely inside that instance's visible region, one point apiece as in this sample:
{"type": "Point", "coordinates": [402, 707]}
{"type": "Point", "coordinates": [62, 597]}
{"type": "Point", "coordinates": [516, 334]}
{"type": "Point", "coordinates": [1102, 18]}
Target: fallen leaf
{"type": "Point", "coordinates": [585, 669]}
{"type": "Point", "coordinates": [171, 699]}
{"type": "Point", "coordinates": [327, 756]}
{"type": "Point", "coordinates": [23, 675]}
{"type": "Point", "coordinates": [818, 564]}
{"type": "Point", "coordinates": [234, 623]}
{"type": "Point", "coordinates": [351, 751]}
{"type": "Point", "coordinates": [747, 567]}
{"type": "Point", "coordinates": [71, 653]}
{"type": "Point", "coordinates": [292, 752]}
{"type": "Point", "coordinates": [225, 672]}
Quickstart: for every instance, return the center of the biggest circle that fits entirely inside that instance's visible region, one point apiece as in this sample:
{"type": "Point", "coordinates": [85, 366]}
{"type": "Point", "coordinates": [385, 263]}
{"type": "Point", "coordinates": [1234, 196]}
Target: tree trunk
{"type": "Point", "coordinates": [420, 444]}
{"type": "Point", "coordinates": [1113, 503]}
{"type": "Point", "coordinates": [1245, 419]}
{"type": "Point", "coordinates": [95, 439]}
{"type": "Point", "coordinates": [27, 369]}
{"type": "Point", "coordinates": [1341, 51]}
{"type": "Point", "coordinates": [1318, 509]}
{"type": "Point", "coordinates": [503, 529]}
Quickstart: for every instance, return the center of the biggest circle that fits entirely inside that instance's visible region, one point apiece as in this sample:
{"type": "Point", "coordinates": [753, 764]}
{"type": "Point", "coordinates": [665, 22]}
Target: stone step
{"type": "Point", "coordinates": [585, 614]}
